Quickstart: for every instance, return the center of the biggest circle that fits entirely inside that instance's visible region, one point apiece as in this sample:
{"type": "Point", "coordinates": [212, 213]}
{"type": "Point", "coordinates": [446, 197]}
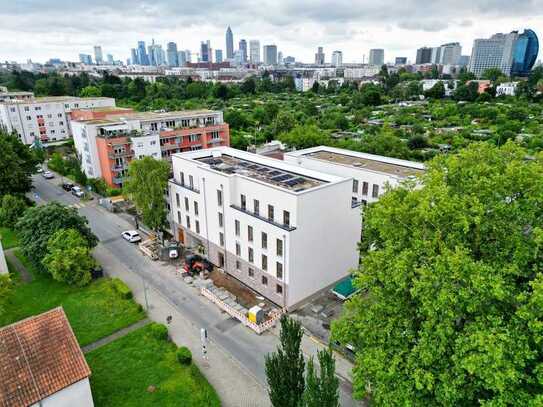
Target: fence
{"type": "Point", "coordinates": [258, 328]}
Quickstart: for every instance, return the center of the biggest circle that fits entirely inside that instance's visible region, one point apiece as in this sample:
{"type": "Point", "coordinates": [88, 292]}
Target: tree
{"type": "Point", "coordinates": [492, 74]}
{"type": "Point", "coordinates": [248, 86]}
{"type": "Point", "coordinates": [90, 91]}
{"type": "Point", "coordinates": [417, 141]}
{"type": "Point", "coordinates": [322, 390]}
{"type": "Point", "coordinates": [449, 311]}
{"type": "Point", "coordinates": [68, 258]}
{"type": "Point", "coordinates": [56, 163]}
{"type": "Point", "coordinates": [6, 290]}
{"type": "Point", "coordinates": [39, 223]}
{"type": "Point", "coordinates": [304, 137]}
{"type": "Point", "coordinates": [146, 183]}
{"type": "Point", "coordinates": [17, 164]}
{"type": "Point", "coordinates": [285, 367]}
{"type": "Point", "coordinates": [220, 91]}
{"type": "Point", "coordinates": [370, 95]}
{"type": "Point", "coordinates": [11, 209]}
{"type": "Point", "coordinates": [436, 92]}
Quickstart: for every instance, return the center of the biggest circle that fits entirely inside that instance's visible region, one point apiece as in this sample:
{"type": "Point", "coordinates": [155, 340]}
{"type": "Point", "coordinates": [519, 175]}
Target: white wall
{"type": "Point", "coordinates": [85, 144]}
{"type": "Point", "coordinates": [78, 394]}
{"type": "Point", "coordinates": [3, 264]}
{"type": "Point", "coordinates": [146, 146]}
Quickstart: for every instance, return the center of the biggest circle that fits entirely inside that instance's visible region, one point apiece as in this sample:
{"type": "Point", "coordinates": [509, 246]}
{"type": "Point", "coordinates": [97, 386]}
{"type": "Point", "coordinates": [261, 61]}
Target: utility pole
{"type": "Point", "coordinates": [203, 339]}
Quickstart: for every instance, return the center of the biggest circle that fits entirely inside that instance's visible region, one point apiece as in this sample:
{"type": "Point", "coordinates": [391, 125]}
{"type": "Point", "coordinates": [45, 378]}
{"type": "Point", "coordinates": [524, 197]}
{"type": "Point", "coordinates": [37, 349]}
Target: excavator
{"type": "Point", "coordinates": [194, 264]}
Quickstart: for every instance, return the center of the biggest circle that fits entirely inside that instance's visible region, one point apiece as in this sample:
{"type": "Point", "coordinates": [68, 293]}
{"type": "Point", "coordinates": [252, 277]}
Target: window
{"type": "Point", "coordinates": [221, 238]}
{"type": "Point", "coordinates": [28, 117]}
{"type": "Point", "coordinates": [238, 265]}
{"type": "Point", "coordinates": [364, 188]}
{"type": "Point", "coordinates": [236, 227]}
{"type": "Point", "coordinates": [188, 222]}
{"type": "Point", "coordinates": [286, 218]}
{"type": "Point", "coordinates": [270, 212]}
{"type": "Point", "coordinates": [264, 240]}
{"type": "Point", "coordinates": [196, 208]}
{"type": "Point", "coordinates": [197, 226]}
{"type": "Point", "coordinates": [238, 249]}
{"type": "Point", "coordinates": [187, 204]}
{"type": "Point", "coordinates": [264, 262]}
{"type": "Point", "coordinates": [220, 220]}
{"type": "Point", "coordinates": [177, 200]}
{"type": "Point", "coordinates": [243, 202]}
{"type": "Point", "coordinates": [250, 233]}
{"type": "Point", "coordinates": [191, 181]}
{"type": "Point", "coordinates": [219, 197]}
{"type": "Point", "coordinates": [375, 191]}
{"type": "Point", "coordinates": [27, 109]}
{"type": "Point", "coordinates": [279, 247]}
{"type": "Point", "coordinates": [251, 255]}
{"type": "Point", "coordinates": [279, 289]}
{"type": "Point", "coordinates": [279, 270]}
{"type": "Point", "coordinates": [256, 206]}
{"type": "Point", "coordinates": [182, 178]}
{"type": "Point", "coordinates": [355, 186]}
{"type": "Point", "coordinates": [251, 272]}
{"type": "Point", "coordinates": [179, 217]}
{"type": "Point", "coordinates": [221, 260]}
{"type": "Point", "coordinates": [264, 280]}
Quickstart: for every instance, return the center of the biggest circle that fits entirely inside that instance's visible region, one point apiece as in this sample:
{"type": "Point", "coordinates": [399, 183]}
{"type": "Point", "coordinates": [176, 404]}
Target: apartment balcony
{"type": "Point", "coordinates": [113, 155]}
{"type": "Point", "coordinates": [118, 180]}
{"type": "Point", "coordinates": [190, 188]}
{"type": "Point", "coordinates": [288, 228]}
{"type": "Point", "coordinates": [215, 141]}
{"type": "Point", "coordinates": [119, 167]}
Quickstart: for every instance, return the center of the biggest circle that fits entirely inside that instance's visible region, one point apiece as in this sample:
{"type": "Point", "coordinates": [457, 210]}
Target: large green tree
{"type": "Point", "coordinates": [451, 304]}
{"type": "Point", "coordinates": [146, 183]}
{"type": "Point", "coordinates": [285, 367]}
{"type": "Point", "coordinates": [322, 389]}
{"type": "Point", "coordinates": [68, 258]}
{"type": "Point", "coordinates": [11, 209]}
{"type": "Point", "coordinates": [17, 164]}
{"type": "Point", "coordinates": [39, 223]}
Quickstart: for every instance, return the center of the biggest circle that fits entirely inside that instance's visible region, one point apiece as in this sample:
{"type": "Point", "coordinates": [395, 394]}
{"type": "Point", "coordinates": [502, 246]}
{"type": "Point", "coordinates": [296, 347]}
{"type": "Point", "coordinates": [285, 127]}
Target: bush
{"type": "Point", "coordinates": [159, 331]}
{"type": "Point", "coordinates": [122, 289]}
{"type": "Point", "coordinates": [184, 355]}
{"type": "Point", "coordinates": [11, 209]}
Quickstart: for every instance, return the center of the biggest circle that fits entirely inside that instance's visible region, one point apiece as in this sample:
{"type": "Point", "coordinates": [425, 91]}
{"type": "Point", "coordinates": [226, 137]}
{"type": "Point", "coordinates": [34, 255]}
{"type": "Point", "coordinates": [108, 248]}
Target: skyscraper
{"type": "Point", "coordinates": [424, 55]}
{"type": "Point", "coordinates": [243, 51]}
{"type": "Point", "coordinates": [450, 53]}
{"type": "Point", "coordinates": [270, 54]}
{"type": "Point", "coordinates": [279, 58]}
{"type": "Point", "coordinates": [218, 56]}
{"type": "Point", "coordinates": [493, 52]}
{"type": "Point", "coordinates": [188, 55]}
{"type": "Point", "coordinates": [171, 54]}
{"type": "Point", "coordinates": [157, 56]}
{"type": "Point", "coordinates": [525, 53]}
{"type": "Point", "coordinates": [85, 59]}
{"type": "Point", "coordinates": [436, 55]}
{"type": "Point", "coordinates": [337, 58]}
{"type": "Point", "coordinates": [182, 58]}
{"type": "Point", "coordinates": [110, 60]}
{"type": "Point", "coordinates": [254, 52]}
{"type": "Point", "coordinates": [134, 56]}
{"type": "Point", "coordinates": [143, 58]}
{"type": "Point", "coordinates": [377, 56]}
{"type": "Point", "coordinates": [98, 56]}
{"type": "Point", "coordinates": [205, 51]}
{"type": "Point", "coordinates": [400, 61]}
{"type": "Point", "coordinates": [319, 57]}
{"type": "Point", "coordinates": [229, 43]}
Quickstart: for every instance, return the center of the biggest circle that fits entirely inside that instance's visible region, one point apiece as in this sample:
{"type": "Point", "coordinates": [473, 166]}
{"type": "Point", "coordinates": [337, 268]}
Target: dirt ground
{"type": "Point", "coordinates": [244, 296]}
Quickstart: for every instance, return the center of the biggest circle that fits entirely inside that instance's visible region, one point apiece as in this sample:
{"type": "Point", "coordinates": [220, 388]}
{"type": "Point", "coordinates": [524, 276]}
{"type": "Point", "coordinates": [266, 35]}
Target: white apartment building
{"type": "Point", "coordinates": [369, 174]}
{"type": "Point", "coordinates": [45, 119]}
{"type": "Point", "coordinates": [366, 71]}
{"type": "Point", "coordinates": [450, 85]}
{"type": "Point", "coordinates": [285, 231]}
{"type": "Point", "coordinates": [507, 88]}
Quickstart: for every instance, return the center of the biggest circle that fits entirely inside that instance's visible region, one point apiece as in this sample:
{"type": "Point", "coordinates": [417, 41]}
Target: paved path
{"type": "Point", "coordinates": [15, 262]}
{"type": "Point", "coordinates": [116, 335]}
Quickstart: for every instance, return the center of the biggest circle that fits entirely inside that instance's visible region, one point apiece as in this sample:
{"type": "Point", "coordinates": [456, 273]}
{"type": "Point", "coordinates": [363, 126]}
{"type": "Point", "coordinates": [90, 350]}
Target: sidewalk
{"type": "Point", "coordinates": [116, 335]}
{"type": "Point", "coordinates": [235, 386]}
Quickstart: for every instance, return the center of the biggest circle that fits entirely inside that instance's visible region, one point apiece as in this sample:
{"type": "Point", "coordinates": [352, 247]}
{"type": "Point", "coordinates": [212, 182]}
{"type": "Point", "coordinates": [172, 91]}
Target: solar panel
{"type": "Point", "coordinates": [279, 178]}
{"type": "Point", "coordinates": [262, 170]}
{"type": "Point", "coordinates": [275, 172]}
{"type": "Point", "coordinates": [291, 182]}
{"type": "Point", "coordinates": [243, 164]}
{"type": "Point", "coordinates": [253, 167]}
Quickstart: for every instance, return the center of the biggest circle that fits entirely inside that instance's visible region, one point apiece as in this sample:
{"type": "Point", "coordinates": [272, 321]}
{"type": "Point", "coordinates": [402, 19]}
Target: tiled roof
{"type": "Point", "coordinates": [39, 356]}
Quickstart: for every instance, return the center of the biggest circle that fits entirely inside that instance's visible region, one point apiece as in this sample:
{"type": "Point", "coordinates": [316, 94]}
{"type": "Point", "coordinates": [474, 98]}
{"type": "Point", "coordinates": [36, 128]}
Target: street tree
{"type": "Point", "coordinates": [68, 258]}
{"type": "Point", "coordinates": [146, 183]}
{"type": "Point", "coordinates": [322, 389]}
{"type": "Point", "coordinates": [11, 209]}
{"type": "Point", "coordinates": [285, 367]}
{"type": "Point", "coordinates": [39, 223]}
{"type": "Point", "coordinates": [451, 289]}
{"type": "Point", "coordinates": [17, 164]}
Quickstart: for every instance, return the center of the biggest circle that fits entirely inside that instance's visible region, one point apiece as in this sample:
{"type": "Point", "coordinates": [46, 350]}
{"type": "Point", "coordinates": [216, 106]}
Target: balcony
{"type": "Point", "coordinates": [117, 180]}
{"type": "Point", "coordinates": [190, 188]}
{"type": "Point", "coordinates": [112, 155]}
{"type": "Point", "coordinates": [119, 167]}
{"type": "Point", "coordinates": [262, 218]}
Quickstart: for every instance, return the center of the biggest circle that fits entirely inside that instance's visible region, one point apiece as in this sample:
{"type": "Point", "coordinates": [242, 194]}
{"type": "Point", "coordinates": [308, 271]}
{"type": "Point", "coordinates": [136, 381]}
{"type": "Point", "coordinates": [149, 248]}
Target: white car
{"type": "Point", "coordinates": [131, 235]}
{"type": "Point", "coordinates": [39, 170]}
{"type": "Point", "coordinates": [48, 175]}
{"type": "Point", "coordinates": [77, 191]}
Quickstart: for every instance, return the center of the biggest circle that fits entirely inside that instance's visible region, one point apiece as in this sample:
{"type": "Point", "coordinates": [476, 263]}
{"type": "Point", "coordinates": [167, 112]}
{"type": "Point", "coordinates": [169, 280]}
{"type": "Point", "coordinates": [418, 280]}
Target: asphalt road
{"type": "Point", "coordinates": [244, 346]}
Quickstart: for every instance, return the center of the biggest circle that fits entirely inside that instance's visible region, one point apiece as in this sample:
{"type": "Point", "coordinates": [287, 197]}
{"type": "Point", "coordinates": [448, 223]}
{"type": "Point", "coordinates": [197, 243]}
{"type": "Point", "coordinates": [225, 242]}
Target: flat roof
{"type": "Point", "coordinates": [165, 115]}
{"type": "Point", "coordinates": [45, 99]}
{"type": "Point", "coordinates": [377, 163]}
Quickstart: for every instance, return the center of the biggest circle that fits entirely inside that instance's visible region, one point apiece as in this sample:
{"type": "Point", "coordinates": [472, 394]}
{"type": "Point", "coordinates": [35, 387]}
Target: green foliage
{"type": "Point", "coordinates": [90, 91]}
{"type": "Point", "coordinates": [159, 331]}
{"type": "Point", "coordinates": [184, 355]}
{"type": "Point", "coordinates": [6, 291]}
{"type": "Point", "coordinates": [370, 95]}
{"type": "Point", "coordinates": [285, 367]}
{"type": "Point", "coordinates": [122, 289]}
{"type": "Point", "coordinates": [436, 92]}
{"type": "Point", "coordinates": [492, 74]}
{"type": "Point", "coordinates": [322, 390]}
{"type": "Point", "coordinates": [39, 223]}
{"type": "Point", "coordinates": [17, 164]}
{"type": "Point", "coordinates": [304, 137]}
{"type": "Point", "coordinates": [56, 163]}
{"type": "Point", "coordinates": [146, 183]}
{"type": "Point", "coordinates": [11, 209]}
{"type": "Point", "coordinates": [68, 258]}
{"type": "Point", "coordinates": [450, 279]}
{"type": "Point", "coordinates": [9, 238]}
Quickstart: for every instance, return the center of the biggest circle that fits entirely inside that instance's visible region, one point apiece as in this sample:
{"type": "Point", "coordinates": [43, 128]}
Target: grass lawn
{"type": "Point", "coordinates": [9, 238]}
{"type": "Point", "coordinates": [94, 311]}
{"type": "Point", "coordinates": [123, 370]}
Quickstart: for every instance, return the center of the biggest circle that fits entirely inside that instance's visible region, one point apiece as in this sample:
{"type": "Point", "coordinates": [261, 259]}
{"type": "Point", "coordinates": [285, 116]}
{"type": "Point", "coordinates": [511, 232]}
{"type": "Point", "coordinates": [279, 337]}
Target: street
{"type": "Point", "coordinates": [245, 349]}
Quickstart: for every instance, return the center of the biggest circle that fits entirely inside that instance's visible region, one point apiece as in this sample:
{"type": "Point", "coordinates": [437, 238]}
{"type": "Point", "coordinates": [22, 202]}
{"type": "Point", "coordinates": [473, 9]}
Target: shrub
{"type": "Point", "coordinates": [11, 209]}
{"type": "Point", "coordinates": [159, 331]}
{"type": "Point", "coordinates": [184, 355]}
{"type": "Point", "coordinates": [122, 289]}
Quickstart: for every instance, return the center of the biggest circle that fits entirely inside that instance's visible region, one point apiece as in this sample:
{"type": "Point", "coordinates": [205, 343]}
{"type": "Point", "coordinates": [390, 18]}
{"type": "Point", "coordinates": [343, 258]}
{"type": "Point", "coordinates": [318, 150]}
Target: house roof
{"type": "Point", "coordinates": [39, 356]}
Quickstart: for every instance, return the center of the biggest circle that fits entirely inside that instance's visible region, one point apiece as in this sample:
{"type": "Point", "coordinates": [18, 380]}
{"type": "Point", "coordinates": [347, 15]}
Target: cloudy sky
{"type": "Point", "coordinates": [41, 29]}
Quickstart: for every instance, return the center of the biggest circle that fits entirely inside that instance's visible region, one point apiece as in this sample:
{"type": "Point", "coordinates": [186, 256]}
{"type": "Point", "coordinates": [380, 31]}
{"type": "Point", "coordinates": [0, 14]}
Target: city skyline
{"type": "Point", "coordinates": [353, 29]}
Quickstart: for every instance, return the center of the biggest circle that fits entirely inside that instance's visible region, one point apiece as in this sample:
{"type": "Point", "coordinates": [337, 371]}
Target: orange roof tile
{"type": "Point", "coordinates": [39, 356]}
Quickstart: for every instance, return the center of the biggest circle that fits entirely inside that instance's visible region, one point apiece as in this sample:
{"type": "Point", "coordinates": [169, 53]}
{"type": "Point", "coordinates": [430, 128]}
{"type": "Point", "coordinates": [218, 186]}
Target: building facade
{"type": "Point", "coordinates": [377, 57]}
{"type": "Point", "coordinates": [424, 56]}
{"type": "Point", "coordinates": [243, 51]}
{"type": "Point", "coordinates": [450, 53]}
{"type": "Point", "coordinates": [98, 55]}
{"type": "Point", "coordinates": [172, 54]}
{"type": "Point", "coordinates": [268, 224]}
{"type": "Point", "coordinates": [229, 43]}
{"type": "Point", "coordinates": [337, 58]}
{"type": "Point", "coordinates": [254, 52]}
{"type": "Point", "coordinates": [45, 119]}
{"type": "Point", "coordinates": [319, 56]}
{"type": "Point", "coordinates": [270, 54]}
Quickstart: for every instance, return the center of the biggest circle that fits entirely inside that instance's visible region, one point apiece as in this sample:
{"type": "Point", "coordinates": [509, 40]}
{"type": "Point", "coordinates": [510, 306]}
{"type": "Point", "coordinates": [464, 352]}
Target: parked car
{"type": "Point", "coordinates": [47, 175]}
{"type": "Point", "coordinates": [131, 235]}
{"type": "Point", "coordinates": [77, 191]}
{"type": "Point", "coordinates": [39, 169]}
{"type": "Point", "coordinates": [67, 186]}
